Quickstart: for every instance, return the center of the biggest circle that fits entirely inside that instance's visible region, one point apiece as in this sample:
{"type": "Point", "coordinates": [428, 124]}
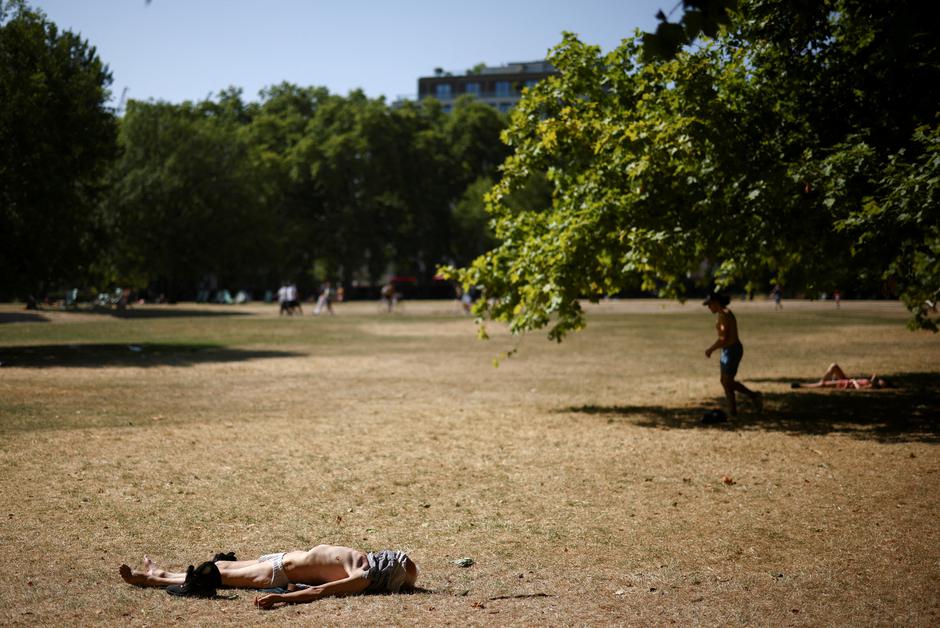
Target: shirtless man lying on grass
{"type": "Point", "coordinates": [301, 576]}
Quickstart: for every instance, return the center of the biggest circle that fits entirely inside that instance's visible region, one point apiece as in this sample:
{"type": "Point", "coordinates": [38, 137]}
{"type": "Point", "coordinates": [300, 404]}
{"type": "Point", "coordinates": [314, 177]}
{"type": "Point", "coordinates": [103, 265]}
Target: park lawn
{"type": "Point", "coordinates": [575, 475]}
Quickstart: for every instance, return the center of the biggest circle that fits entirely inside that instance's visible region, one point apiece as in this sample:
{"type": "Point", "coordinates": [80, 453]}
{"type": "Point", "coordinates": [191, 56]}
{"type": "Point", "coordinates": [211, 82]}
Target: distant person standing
{"type": "Point", "coordinates": [325, 299]}
{"type": "Point", "coordinates": [282, 299]}
{"type": "Point", "coordinates": [837, 297]}
{"type": "Point", "coordinates": [293, 298]}
{"type": "Point", "coordinates": [731, 352]}
{"type": "Point", "coordinates": [389, 296]}
{"type": "Point", "coordinates": [464, 299]}
{"type": "Point", "coordinates": [777, 294]}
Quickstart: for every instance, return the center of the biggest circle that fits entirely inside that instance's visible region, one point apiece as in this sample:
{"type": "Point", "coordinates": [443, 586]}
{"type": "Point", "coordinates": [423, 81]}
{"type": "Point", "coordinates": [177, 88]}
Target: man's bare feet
{"type": "Point", "coordinates": [150, 575]}
{"type": "Point", "coordinates": [132, 577]}
{"type": "Point", "coordinates": [152, 569]}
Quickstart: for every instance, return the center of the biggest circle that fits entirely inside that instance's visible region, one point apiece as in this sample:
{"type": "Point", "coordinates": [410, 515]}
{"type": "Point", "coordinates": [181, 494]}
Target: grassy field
{"type": "Point", "coordinates": [576, 476]}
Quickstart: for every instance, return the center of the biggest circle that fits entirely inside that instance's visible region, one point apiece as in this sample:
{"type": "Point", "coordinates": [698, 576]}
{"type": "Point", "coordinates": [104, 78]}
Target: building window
{"type": "Point", "coordinates": [442, 91]}
{"type": "Point", "coordinates": [503, 88]}
{"type": "Point", "coordinates": [531, 82]}
{"type": "Point", "coordinates": [504, 107]}
{"type": "Point", "coordinates": [472, 88]}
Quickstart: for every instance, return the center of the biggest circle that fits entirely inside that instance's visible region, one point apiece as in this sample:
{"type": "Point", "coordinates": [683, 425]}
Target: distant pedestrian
{"type": "Point", "coordinates": [837, 297]}
{"type": "Point", "coordinates": [293, 298]}
{"type": "Point", "coordinates": [282, 300]}
{"type": "Point", "coordinates": [731, 352]}
{"type": "Point", "coordinates": [389, 296]}
{"type": "Point", "coordinates": [325, 300]}
{"type": "Point", "coordinates": [777, 294]}
{"type": "Point", "coordinates": [464, 299]}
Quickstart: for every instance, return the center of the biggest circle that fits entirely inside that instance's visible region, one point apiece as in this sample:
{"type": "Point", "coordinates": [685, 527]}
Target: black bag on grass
{"type": "Point", "coordinates": [714, 416]}
{"type": "Point", "coordinates": [201, 581]}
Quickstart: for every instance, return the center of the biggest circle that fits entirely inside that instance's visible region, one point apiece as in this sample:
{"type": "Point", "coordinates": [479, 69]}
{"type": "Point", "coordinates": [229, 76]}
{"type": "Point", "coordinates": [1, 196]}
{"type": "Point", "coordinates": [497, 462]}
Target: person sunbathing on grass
{"type": "Point", "coordinates": [300, 576]}
{"type": "Point", "coordinates": [835, 377]}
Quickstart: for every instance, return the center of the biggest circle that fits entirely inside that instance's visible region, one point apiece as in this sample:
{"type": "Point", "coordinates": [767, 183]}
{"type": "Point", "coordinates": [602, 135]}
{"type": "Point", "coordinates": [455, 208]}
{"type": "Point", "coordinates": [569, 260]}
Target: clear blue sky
{"type": "Point", "coordinates": [179, 50]}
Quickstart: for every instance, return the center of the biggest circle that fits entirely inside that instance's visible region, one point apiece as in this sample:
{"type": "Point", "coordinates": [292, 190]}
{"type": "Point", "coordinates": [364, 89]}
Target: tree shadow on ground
{"type": "Point", "coordinates": [910, 412]}
{"type": "Point", "coordinates": [22, 317]}
{"type": "Point", "coordinates": [122, 355]}
{"type": "Point", "coordinates": [147, 313]}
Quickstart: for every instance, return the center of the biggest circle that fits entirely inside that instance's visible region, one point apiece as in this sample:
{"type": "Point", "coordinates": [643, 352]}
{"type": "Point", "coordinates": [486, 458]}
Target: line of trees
{"type": "Point", "coordinates": [753, 142]}
{"type": "Point", "coordinates": [301, 184]}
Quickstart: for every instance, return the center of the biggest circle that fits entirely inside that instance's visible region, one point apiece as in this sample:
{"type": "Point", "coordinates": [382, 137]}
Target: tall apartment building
{"type": "Point", "coordinates": [499, 86]}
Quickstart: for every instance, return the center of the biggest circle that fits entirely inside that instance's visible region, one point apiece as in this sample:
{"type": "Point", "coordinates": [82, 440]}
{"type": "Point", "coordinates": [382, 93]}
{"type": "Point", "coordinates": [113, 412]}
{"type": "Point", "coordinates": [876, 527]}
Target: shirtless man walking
{"type": "Point", "coordinates": [304, 575]}
{"type": "Point", "coordinates": [731, 352]}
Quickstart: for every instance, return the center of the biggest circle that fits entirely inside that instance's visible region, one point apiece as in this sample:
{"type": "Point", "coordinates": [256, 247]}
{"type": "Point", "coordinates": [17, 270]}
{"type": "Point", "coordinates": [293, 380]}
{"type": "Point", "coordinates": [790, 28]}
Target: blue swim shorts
{"type": "Point", "coordinates": [731, 359]}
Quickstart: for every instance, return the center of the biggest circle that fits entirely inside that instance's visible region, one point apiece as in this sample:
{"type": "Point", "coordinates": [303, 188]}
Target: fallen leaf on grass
{"type": "Point", "coordinates": [727, 479]}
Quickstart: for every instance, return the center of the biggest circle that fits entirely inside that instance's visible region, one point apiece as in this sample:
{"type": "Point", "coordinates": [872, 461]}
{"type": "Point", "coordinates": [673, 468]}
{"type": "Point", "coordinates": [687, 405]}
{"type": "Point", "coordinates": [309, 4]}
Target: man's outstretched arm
{"type": "Point", "coordinates": [355, 583]}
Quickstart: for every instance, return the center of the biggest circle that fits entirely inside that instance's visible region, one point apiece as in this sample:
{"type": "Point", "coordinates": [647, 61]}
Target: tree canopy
{"type": "Point", "coordinates": [797, 147]}
{"type": "Point", "coordinates": [303, 184]}
{"type": "Point", "coordinates": [749, 143]}
{"type": "Point", "coordinates": [57, 138]}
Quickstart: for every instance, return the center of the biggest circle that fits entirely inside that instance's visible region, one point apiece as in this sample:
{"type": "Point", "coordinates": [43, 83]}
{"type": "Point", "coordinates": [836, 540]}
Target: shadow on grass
{"type": "Point", "coordinates": [158, 312]}
{"type": "Point", "coordinates": [908, 413]}
{"type": "Point", "coordinates": [139, 355]}
{"type": "Point", "coordinates": [22, 317]}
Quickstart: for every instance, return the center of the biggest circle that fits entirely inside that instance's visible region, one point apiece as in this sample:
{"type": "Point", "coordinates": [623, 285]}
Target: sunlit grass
{"type": "Point", "coordinates": [576, 475]}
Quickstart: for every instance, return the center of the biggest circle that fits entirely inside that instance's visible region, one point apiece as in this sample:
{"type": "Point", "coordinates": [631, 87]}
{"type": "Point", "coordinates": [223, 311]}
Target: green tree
{"type": "Point", "coordinates": [185, 201]}
{"type": "Point", "coordinates": [451, 154]}
{"type": "Point", "coordinates": [900, 221]}
{"type": "Point", "coordinates": [57, 138]}
{"type": "Point", "coordinates": [375, 187]}
{"type": "Point", "coordinates": [342, 171]}
{"type": "Point", "coordinates": [471, 132]}
{"type": "Point", "coordinates": [278, 124]}
{"type": "Point", "coordinates": [470, 223]}
{"type": "Point", "coordinates": [700, 17]}
{"type": "Point", "coordinates": [759, 154]}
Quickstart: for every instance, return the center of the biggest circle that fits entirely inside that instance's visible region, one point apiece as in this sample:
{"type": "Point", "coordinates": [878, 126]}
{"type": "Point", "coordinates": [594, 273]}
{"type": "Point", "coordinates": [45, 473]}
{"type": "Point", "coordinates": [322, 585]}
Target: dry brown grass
{"type": "Point", "coordinates": [575, 475]}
